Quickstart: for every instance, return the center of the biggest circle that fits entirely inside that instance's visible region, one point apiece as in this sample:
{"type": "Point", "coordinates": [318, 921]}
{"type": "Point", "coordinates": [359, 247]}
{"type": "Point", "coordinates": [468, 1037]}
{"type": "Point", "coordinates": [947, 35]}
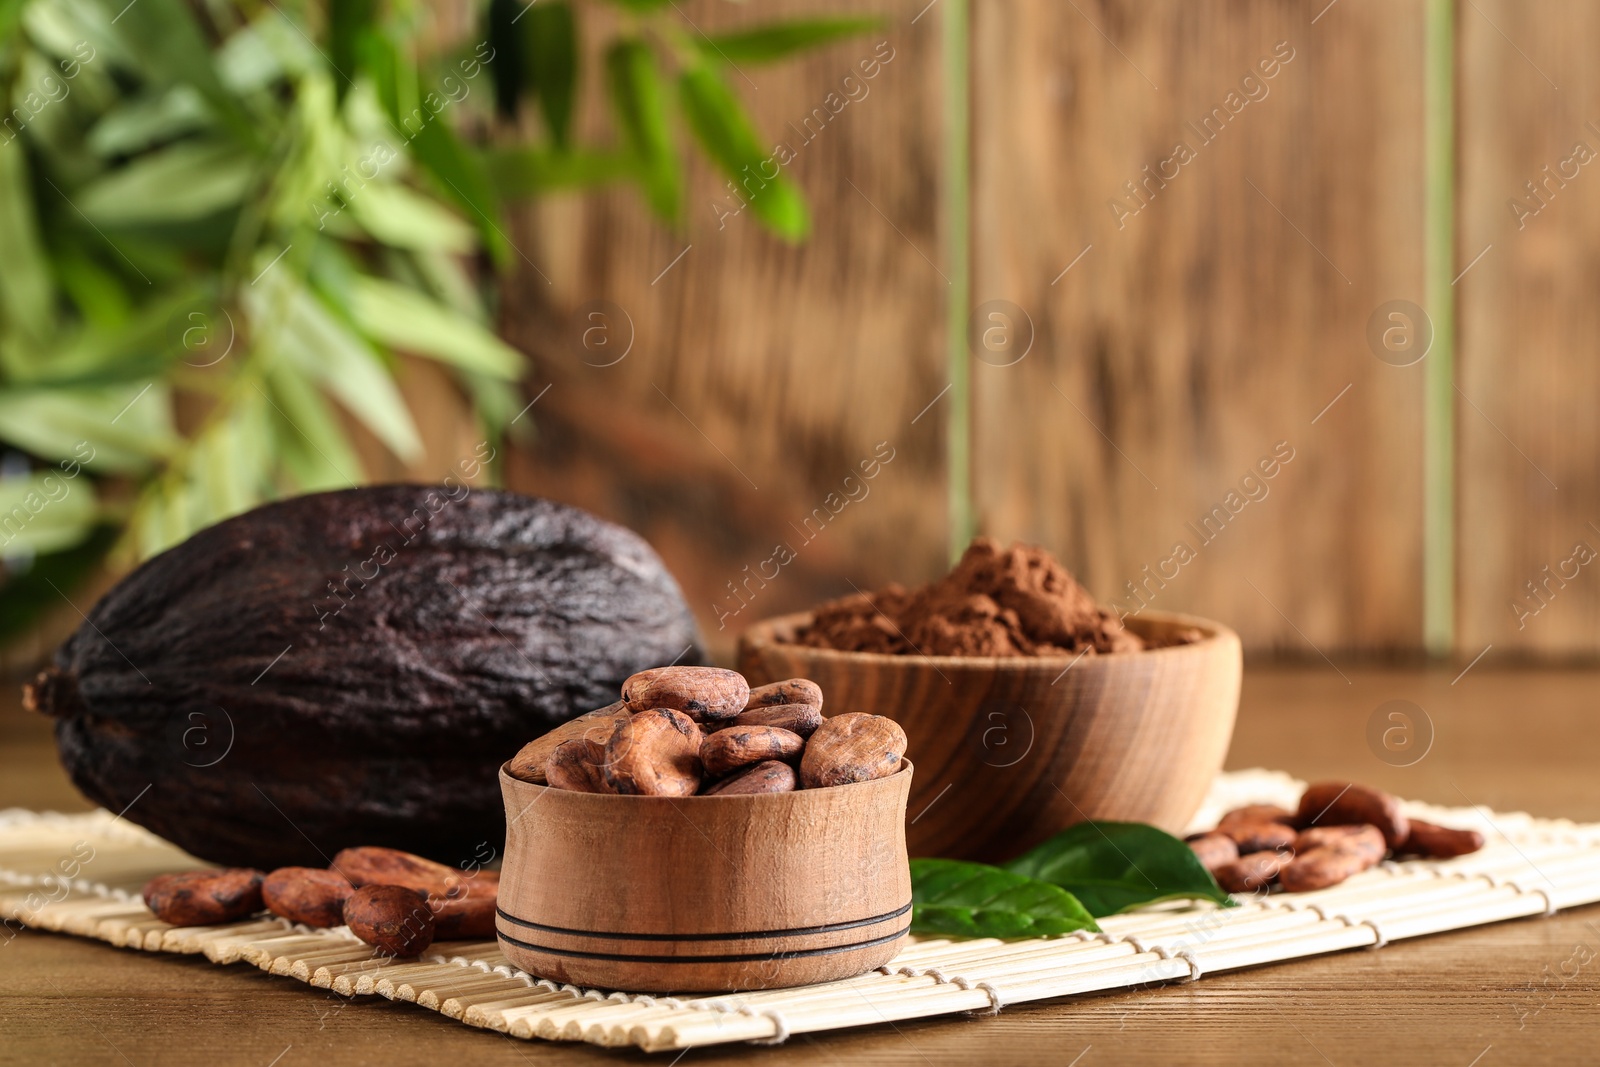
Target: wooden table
{"type": "Point", "coordinates": [1518, 992]}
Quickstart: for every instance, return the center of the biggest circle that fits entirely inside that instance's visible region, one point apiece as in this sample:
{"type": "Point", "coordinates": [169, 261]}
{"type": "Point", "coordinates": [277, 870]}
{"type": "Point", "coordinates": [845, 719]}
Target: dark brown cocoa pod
{"type": "Point", "coordinates": [308, 895]}
{"type": "Point", "coordinates": [793, 691]}
{"type": "Point", "coordinates": [1439, 842]}
{"type": "Point", "coordinates": [1257, 813]}
{"type": "Point", "coordinates": [705, 694]}
{"type": "Point", "coordinates": [853, 747]}
{"type": "Point", "coordinates": [1252, 872]}
{"type": "Point", "coordinates": [393, 919]}
{"type": "Point", "coordinates": [204, 898]}
{"type": "Point", "coordinates": [372, 865]}
{"type": "Point", "coordinates": [1214, 849]}
{"type": "Point", "coordinates": [655, 753]}
{"type": "Point", "coordinates": [528, 764]}
{"type": "Point", "coordinates": [1348, 804]}
{"type": "Point", "coordinates": [769, 777]}
{"type": "Point", "coordinates": [578, 765]}
{"type": "Point", "coordinates": [1366, 840]}
{"type": "Point", "coordinates": [1258, 836]}
{"type": "Point", "coordinates": [802, 719]}
{"type": "Point", "coordinates": [1323, 867]}
{"type": "Point", "coordinates": [740, 746]}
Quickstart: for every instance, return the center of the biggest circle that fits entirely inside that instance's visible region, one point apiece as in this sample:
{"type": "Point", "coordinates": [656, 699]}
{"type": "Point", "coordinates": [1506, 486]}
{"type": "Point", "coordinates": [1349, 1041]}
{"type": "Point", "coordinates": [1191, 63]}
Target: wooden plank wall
{"type": "Point", "coordinates": [1529, 379]}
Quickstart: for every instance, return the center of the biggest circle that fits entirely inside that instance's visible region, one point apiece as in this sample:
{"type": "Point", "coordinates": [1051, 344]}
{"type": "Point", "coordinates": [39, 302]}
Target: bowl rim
{"type": "Point", "coordinates": [758, 635]}
{"type": "Point", "coordinates": [906, 768]}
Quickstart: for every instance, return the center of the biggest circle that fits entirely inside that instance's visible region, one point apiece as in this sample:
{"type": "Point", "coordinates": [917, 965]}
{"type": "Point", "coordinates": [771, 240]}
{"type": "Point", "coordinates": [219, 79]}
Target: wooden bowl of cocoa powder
{"type": "Point", "coordinates": [704, 893]}
{"type": "Point", "coordinates": [1014, 749]}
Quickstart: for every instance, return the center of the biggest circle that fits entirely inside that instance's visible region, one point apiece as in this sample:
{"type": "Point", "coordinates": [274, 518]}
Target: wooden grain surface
{"type": "Point", "coordinates": [1442, 999]}
{"type": "Point", "coordinates": [1211, 316]}
{"type": "Point", "coordinates": [1529, 456]}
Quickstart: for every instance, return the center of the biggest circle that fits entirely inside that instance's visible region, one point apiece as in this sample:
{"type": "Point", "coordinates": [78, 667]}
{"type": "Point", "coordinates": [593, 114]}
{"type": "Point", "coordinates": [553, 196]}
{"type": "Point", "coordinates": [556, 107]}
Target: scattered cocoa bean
{"type": "Point", "coordinates": [204, 898]}
{"type": "Point", "coordinates": [853, 747]}
{"type": "Point", "coordinates": [1251, 872]}
{"type": "Point", "coordinates": [373, 865]}
{"type": "Point", "coordinates": [655, 753]}
{"type": "Point", "coordinates": [1346, 804]}
{"type": "Point", "coordinates": [528, 764]}
{"type": "Point", "coordinates": [1256, 813]}
{"type": "Point", "coordinates": [1323, 867]}
{"type": "Point", "coordinates": [578, 765]}
{"type": "Point", "coordinates": [1366, 839]}
{"type": "Point", "coordinates": [768, 777]}
{"type": "Point", "coordinates": [740, 746]}
{"type": "Point", "coordinates": [394, 919]}
{"type": "Point", "coordinates": [1258, 836]}
{"type": "Point", "coordinates": [308, 895]}
{"type": "Point", "coordinates": [469, 915]}
{"type": "Point", "coordinates": [1439, 842]}
{"type": "Point", "coordinates": [705, 694]}
{"type": "Point", "coordinates": [1214, 849]}
{"type": "Point", "coordinates": [802, 719]}
{"type": "Point", "coordinates": [793, 691]}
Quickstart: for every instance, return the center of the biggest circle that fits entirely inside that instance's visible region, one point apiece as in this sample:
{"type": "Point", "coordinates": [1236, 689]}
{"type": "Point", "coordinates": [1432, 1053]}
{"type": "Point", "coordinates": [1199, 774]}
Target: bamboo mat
{"type": "Point", "coordinates": [81, 874]}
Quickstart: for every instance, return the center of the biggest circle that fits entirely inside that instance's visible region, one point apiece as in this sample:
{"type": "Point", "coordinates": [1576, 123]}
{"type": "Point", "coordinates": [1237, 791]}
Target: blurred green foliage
{"type": "Point", "coordinates": [242, 210]}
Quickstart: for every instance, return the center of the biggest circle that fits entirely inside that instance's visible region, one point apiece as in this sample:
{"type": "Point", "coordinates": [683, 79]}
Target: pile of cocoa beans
{"type": "Point", "coordinates": [1340, 829]}
{"type": "Point", "coordinates": [394, 901]}
{"type": "Point", "coordinates": [702, 731]}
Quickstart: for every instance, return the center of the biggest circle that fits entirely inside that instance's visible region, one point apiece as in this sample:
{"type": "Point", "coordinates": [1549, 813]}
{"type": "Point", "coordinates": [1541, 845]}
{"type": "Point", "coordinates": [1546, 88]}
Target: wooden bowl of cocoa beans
{"type": "Point", "coordinates": [704, 893]}
{"type": "Point", "coordinates": [1013, 749]}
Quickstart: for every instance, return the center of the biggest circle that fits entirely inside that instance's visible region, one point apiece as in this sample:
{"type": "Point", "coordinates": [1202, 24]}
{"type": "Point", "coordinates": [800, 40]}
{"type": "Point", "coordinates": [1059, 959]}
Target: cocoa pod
{"type": "Point", "coordinates": [372, 865]}
{"type": "Point", "coordinates": [740, 746]}
{"type": "Point", "coordinates": [769, 777]}
{"type": "Point", "coordinates": [1366, 839]}
{"type": "Point", "coordinates": [467, 916]}
{"type": "Point", "coordinates": [705, 694]}
{"type": "Point", "coordinates": [1256, 813]}
{"type": "Point", "coordinates": [802, 719]}
{"type": "Point", "coordinates": [1347, 804]}
{"type": "Point", "coordinates": [655, 753]}
{"type": "Point", "coordinates": [1214, 849]}
{"type": "Point", "coordinates": [204, 898]}
{"type": "Point", "coordinates": [308, 895]}
{"type": "Point", "coordinates": [1258, 836]}
{"type": "Point", "coordinates": [793, 691]}
{"type": "Point", "coordinates": [1252, 872]}
{"type": "Point", "coordinates": [853, 747]}
{"type": "Point", "coordinates": [1440, 842]}
{"type": "Point", "coordinates": [528, 764]}
{"type": "Point", "coordinates": [578, 765]}
{"type": "Point", "coordinates": [393, 919]}
{"type": "Point", "coordinates": [1323, 867]}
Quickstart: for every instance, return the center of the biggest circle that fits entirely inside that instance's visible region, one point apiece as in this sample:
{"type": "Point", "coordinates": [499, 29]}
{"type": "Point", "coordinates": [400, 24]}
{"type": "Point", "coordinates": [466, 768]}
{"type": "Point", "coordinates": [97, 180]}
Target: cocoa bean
{"type": "Point", "coordinates": [1323, 867]}
{"type": "Point", "coordinates": [1347, 804]}
{"type": "Point", "coordinates": [578, 765]}
{"type": "Point", "coordinates": [705, 694]}
{"type": "Point", "coordinates": [655, 753]}
{"type": "Point", "coordinates": [204, 898]}
{"type": "Point", "coordinates": [528, 764]}
{"type": "Point", "coordinates": [1256, 813]}
{"type": "Point", "coordinates": [393, 919]}
{"type": "Point", "coordinates": [853, 747]}
{"type": "Point", "coordinates": [1258, 836]}
{"type": "Point", "coordinates": [802, 719]}
{"type": "Point", "coordinates": [740, 746]}
{"type": "Point", "coordinates": [768, 777]}
{"type": "Point", "coordinates": [372, 865]}
{"type": "Point", "coordinates": [1214, 849]}
{"type": "Point", "coordinates": [469, 915]}
{"type": "Point", "coordinates": [1252, 872]}
{"type": "Point", "coordinates": [1366, 839]}
{"type": "Point", "coordinates": [1440, 842]}
{"type": "Point", "coordinates": [308, 895]}
{"type": "Point", "coordinates": [793, 691]}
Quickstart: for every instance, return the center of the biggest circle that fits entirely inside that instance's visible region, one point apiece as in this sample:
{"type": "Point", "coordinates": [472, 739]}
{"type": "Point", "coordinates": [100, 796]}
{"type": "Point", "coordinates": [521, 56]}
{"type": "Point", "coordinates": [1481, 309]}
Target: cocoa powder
{"type": "Point", "coordinates": [1017, 601]}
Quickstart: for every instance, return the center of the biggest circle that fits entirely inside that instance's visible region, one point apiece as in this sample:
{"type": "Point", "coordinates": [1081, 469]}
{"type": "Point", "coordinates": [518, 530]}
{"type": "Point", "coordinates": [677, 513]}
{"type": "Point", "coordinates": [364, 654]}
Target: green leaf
{"type": "Point", "coordinates": [404, 320]}
{"type": "Point", "coordinates": [140, 123]}
{"type": "Point", "coordinates": [977, 900]}
{"type": "Point", "coordinates": [26, 296]}
{"type": "Point", "coordinates": [122, 428]}
{"type": "Point", "coordinates": [348, 21]}
{"type": "Point", "coordinates": [459, 178]}
{"type": "Point", "coordinates": [1114, 866]}
{"type": "Point", "coordinates": [551, 39]}
{"type": "Point", "coordinates": [719, 123]}
{"type": "Point", "coordinates": [780, 39]}
{"type": "Point", "coordinates": [640, 99]}
{"type": "Point", "coordinates": [314, 445]}
{"type": "Point", "coordinates": [641, 7]}
{"type": "Point", "coordinates": [45, 511]}
{"type": "Point", "coordinates": [507, 71]}
{"type": "Point", "coordinates": [183, 183]}
{"type": "Point", "coordinates": [400, 218]}
{"type": "Point", "coordinates": [520, 172]}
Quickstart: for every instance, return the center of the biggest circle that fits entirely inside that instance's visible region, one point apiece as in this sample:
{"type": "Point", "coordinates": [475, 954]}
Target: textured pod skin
{"type": "Point", "coordinates": [459, 624]}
